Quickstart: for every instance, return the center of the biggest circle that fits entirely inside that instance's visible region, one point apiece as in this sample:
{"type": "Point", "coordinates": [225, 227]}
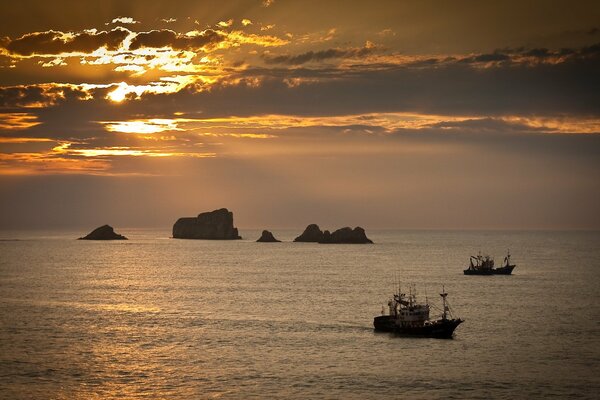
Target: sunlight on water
{"type": "Point", "coordinates": [160, 318]}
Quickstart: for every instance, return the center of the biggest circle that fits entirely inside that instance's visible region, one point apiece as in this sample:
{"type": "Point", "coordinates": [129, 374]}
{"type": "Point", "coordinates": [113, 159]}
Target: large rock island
{"type": "Point", "coordinates": [214, 225]}
{"type": "Point", "coordinates": [313, 234]}
{"type": "Point", "coordinates": [346, 235]}
{"type": "Point", "coordinates": [105, 232]}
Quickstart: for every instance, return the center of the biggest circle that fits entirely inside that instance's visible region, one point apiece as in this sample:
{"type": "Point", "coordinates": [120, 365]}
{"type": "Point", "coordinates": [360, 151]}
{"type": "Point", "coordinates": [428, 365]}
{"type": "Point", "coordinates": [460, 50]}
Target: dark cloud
{"type": "Point", "coordinates": [319, 55]}
{"type": "Point", "coordinates": [570, 87]}
{"type": "Point", "coordinates": [38, 95]}
{"type": "Point", "coordinates": [495, 57]}
{"type": "Point", "coordinates": [54, 42]}
{"type": "Point", "coordinates": [516, 55]}
{"type": "Point", "coordinates": [499, 58]}
{"type": "Point", "coordinates": [445, 87]}
{"type": "Point", "coordinates": [169, 38]}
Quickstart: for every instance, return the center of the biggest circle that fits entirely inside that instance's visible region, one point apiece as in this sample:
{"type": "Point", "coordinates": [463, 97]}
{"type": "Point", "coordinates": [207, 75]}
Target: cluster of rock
{"type": "Point", "coordinates": [313, 233]}
{"type": "Point", "coordinates": [216, 225]}
{"type": "Point", "coordinates": [105, 232]}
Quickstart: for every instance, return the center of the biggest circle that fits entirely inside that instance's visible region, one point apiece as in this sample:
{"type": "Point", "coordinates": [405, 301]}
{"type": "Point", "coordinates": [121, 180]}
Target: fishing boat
{"type": "Point", "coordinates": [506, 268]}
{"type": "Point", "coordinates": [484, 265]}
{"type": "Point", "coordinates": [408, 317]}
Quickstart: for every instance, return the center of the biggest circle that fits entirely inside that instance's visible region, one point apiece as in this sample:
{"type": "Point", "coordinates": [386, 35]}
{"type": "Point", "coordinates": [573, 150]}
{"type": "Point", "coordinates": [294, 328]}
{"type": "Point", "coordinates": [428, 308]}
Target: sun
{"type": "Point", "coordinates": [119, 94]}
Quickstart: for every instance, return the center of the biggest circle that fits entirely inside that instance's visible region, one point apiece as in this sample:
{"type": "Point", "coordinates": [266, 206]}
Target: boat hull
{"type": "Point", "coordinates": [443, 328]}
{"type": "Point", "coordinates": [478, 272]}
{"type": "Point", "coordinates": [493, 271]}
{"type": "Point", "coordinates": [504, 270]}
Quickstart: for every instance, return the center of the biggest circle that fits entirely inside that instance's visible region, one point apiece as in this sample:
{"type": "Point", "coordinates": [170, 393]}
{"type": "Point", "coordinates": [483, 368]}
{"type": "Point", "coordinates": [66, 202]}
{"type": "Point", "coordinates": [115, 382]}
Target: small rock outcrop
{"type": "Point", "coordinates": [267, 237]}
{"type": "Point", "coordinates": [346, 235]}
{"type": "Point", "coordinates": [105, 232]}
{"type": "Point", "coordinates": [214, 225]}
{"type": "Point", "coordinates": [311, 234]}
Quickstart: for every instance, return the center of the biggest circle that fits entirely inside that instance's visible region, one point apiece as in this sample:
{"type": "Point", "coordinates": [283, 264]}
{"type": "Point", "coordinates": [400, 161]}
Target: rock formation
{"type": "Point", "coordinates": [312, 233]}
{"type": "Point", "coordinates": [267, 237]}
{"type": "Point", "coordinates": [346, 235]}
{"type": "Point", "coordinates": [105, 232]}
{"type": "Point", "coordinates": [217, 225]}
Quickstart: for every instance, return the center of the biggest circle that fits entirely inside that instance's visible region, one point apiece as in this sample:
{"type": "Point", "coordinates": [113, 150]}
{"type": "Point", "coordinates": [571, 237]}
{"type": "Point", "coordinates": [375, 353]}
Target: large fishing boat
{"type": "Point", "coordinates": [408, 317]}
{"type": "Point", "coordinates": [484, 265]}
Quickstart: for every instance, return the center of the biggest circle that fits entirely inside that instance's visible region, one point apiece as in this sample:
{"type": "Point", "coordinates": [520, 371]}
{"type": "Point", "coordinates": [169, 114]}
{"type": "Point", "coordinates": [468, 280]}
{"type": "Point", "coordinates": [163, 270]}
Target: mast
{"type": "Point", "coordinates": [444, 294]}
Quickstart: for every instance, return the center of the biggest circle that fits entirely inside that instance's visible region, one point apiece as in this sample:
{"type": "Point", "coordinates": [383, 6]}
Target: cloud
{"type": "Point", "coordinates": [246, 22]}
{"type": "Point", "coordinates": [56, 42]}
{"type": "Point", "coordinates": [532, 81]}
{"type": "Point", "coordinates": [42, 95]}
{"type": "Point", "coordinates": [267, 27]}
{"type": "Point", "coordinates": [267, 3]}
{"type": "Point", "coordinates": [322, 55]}
{"type": "Point", "coordinates": [225, 24]}
{"type": "Point", "coordinates": [440, 88]}
{"type": "Point", "coordinates": [381, 83]}
{"type": "Point", "coordinates": [124, 20]}
{"type": "Point", "coordinates": [532, 56]}
{"type": "Point", "coordinates": [13, 121]}
{"type": "Point", "coordinates": [169, 38]}
{"type": "Point", "coordinates": [485, 58]}
{"type": "Point", "coordinates": [386, 32]}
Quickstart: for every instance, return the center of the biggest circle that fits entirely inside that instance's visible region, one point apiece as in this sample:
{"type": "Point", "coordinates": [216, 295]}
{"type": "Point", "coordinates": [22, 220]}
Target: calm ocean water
{"type": "Point", "coordinates": [155, 317]}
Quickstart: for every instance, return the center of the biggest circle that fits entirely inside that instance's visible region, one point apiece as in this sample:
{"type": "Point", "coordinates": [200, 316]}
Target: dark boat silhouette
{"type": "Point", "coordinates": [484, 265]}
{"type": "Point", "coordinates": [409, 318]}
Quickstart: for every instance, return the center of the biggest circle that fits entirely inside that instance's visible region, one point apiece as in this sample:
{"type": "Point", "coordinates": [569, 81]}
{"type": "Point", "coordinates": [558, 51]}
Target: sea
{"type": "Point", "coordinates": [160, 318]}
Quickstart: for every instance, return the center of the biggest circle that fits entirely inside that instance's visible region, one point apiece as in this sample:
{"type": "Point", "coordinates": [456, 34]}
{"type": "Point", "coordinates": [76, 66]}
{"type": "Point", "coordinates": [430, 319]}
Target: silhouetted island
{"type": "Point", "coordinates": [214, 225]}
{"type": "Point", "coordinates": [346, 235]}
{"type": "Point", "coordinates": [105, 232]}
{"type": "Point", "coordinates": [313, 234]}
{"type": "Point", "coordinates": [267, 237]}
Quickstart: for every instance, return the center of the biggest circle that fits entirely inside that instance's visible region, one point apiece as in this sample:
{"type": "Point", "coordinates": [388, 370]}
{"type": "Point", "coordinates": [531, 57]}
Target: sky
{"type": "Point", "coordinates": [383, 114]}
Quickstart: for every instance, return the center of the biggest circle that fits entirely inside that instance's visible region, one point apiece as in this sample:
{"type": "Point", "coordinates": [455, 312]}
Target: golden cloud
{"type": "Point", "coordinates": [17, 121]}
{"type": "Point", "coordinates": [144, 127]}
{"type": "Point", "coordinates": [49, 163]}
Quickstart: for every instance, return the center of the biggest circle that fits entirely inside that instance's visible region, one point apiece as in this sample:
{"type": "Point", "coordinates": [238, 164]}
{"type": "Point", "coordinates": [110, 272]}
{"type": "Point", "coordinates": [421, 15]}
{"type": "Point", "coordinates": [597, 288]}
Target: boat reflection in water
{"type": "Point", "coordinates": [410, 318]}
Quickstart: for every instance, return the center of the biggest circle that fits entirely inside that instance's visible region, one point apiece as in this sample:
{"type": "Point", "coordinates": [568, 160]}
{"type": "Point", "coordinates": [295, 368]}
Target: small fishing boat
{"type": "Point", "coordinates": [484, 265]}
{"type": "Point", "coordinates": [410, 318]}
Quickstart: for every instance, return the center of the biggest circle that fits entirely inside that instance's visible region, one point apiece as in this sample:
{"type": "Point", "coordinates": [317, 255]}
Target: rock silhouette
{"type": "Point", "coordinates": [313, 234]}
{"type": "Point", "coordinates": [105, 232]}
{"type": "Point", "coordinates": [267, 237]}
{"type": "Point", "coordinates": [215, 225]}
{"type": "Point", "coordinates": [346, 235]}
